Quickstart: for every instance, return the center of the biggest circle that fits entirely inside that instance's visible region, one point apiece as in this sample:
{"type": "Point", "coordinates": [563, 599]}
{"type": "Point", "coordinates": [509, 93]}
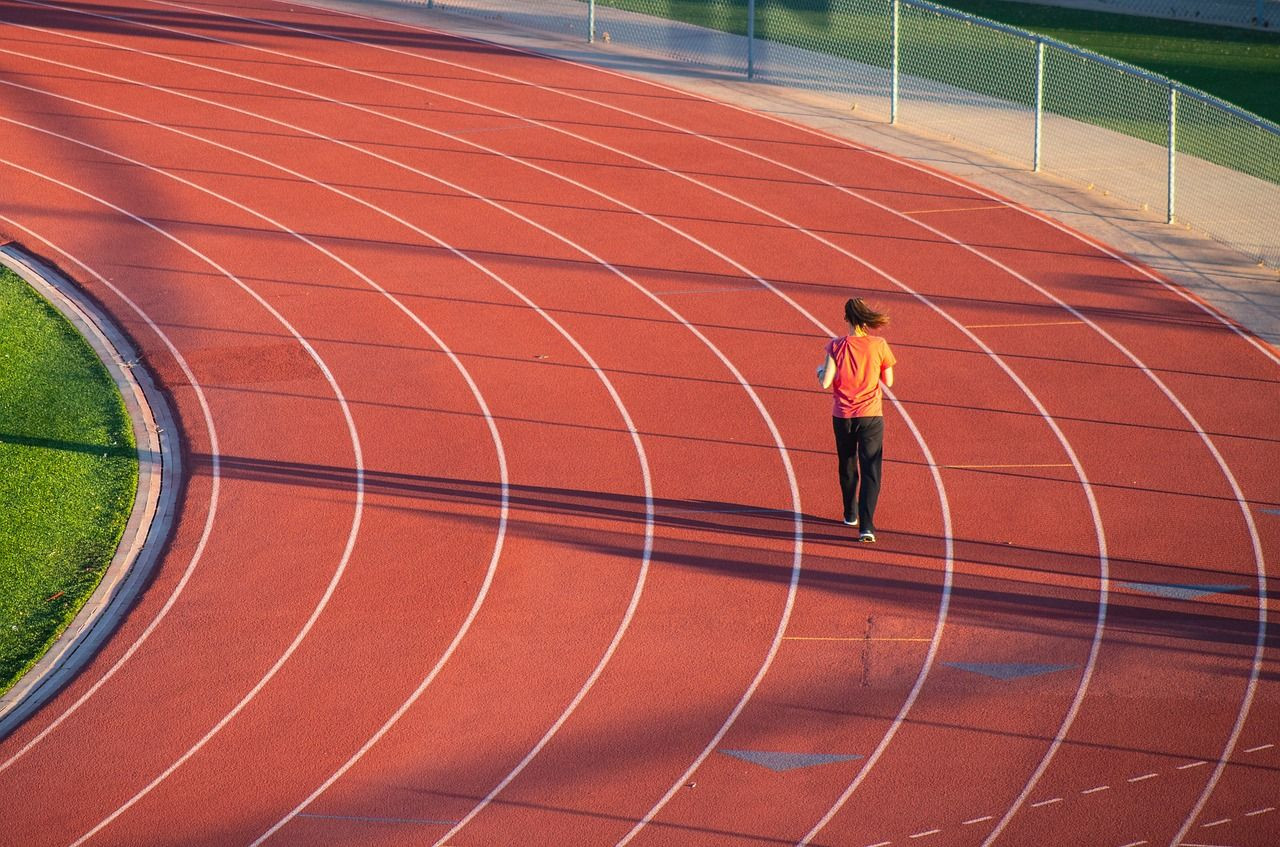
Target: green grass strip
{"type": "Point", "coordinates": [68, 474]}
{"type": "Point", "coordinates": [1240, 66]}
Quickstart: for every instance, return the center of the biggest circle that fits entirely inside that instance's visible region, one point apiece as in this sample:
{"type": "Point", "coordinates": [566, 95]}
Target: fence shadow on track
{"type": "Point", "coordinates": [68, 18]}
{"type": "Point", "coordinates": [728, 542]}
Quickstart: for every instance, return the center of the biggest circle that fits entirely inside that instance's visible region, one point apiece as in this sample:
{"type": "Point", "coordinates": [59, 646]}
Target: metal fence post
{"type": "Point", "coordinates": [591, 21]}
{"type": "Point", "coordinates": [893, 61]}
{"type": "Point", "coordinates": [1039, 130]}
{"type": "Point", "coordinates": [1173, 150]}
{"type": "Point", "coordinates": [751, 38]}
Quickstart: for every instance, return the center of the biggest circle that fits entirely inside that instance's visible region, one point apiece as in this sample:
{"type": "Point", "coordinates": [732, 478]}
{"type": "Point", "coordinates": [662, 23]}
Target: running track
{"type": "Point", "coordinates": [511, 514]}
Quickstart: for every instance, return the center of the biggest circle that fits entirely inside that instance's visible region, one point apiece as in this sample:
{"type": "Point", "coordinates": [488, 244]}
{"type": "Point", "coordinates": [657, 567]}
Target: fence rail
{"type": "Point", "coordinates": [1044, 104]}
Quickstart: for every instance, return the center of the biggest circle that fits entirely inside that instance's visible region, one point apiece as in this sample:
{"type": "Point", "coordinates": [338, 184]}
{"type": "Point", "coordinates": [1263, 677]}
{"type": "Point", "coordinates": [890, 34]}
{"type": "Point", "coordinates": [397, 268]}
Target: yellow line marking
{"type": "Point", "coordinates": [984, 467]}
{"type": "Point", "coordinates": [844, 638]}
{"type": "Point", "coordinates": [1044, 323]}
{"type": "Point", "coordinates": [956, 209]}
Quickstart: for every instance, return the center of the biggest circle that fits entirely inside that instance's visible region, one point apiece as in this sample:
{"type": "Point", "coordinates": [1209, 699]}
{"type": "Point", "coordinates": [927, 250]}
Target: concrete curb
{"type": "Point", "coordinates": [154, 505]}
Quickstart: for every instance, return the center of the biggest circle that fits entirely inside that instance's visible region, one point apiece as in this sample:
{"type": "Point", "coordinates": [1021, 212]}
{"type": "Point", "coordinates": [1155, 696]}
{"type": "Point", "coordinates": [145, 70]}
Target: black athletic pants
{"type": "Point", "coordinates": [858, 449]}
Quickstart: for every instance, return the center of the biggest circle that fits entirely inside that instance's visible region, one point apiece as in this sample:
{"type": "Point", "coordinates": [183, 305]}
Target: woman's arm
{"type": "Point", "coordinates": [827, 372]}
{"type": "Point", "coordinates": [886, 376]}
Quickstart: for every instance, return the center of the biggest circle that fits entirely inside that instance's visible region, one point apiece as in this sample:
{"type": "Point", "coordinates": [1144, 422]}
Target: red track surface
{"type": "Point", "coordinates": [513, 503]}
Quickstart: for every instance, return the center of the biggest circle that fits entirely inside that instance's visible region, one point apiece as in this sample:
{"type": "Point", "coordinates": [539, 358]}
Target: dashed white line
{"type": "Point", "coordinates": [1191, 765]}
{"type": "Point", "coordinates": [1144, 776]}
{"type": "Point", "coordinates": [1216, 823]}
{"type": "Point", "coordinates": [881, 844]}
{"type": "Point", "coordinates": [1134, 844]}
{"type": "Point", "coordinates": [1096, 790]}
{"type": "Point", "coordinates": [923, 834]}
{"type": "Point", "coordinates": [978, 820]}
{"type": "Point", "coordinates": [1046, 802]}
{"type": "Point", "coordinates": [1259, 747]}
{"type": "Point", "coordinates": [1259, 811]}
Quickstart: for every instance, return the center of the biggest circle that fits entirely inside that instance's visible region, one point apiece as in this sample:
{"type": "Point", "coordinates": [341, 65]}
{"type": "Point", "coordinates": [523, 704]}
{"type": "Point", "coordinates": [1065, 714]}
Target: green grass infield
{"type": "Point", "coordinates": [68, 474]}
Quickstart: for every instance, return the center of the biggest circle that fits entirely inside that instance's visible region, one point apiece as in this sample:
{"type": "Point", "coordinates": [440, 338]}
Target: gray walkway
{"type": "Point", "coordinates": [1214, 272]}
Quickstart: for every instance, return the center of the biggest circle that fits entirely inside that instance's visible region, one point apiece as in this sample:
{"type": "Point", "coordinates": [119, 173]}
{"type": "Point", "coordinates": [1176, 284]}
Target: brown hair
{"type": "Point", "coordinates": [858, 313]}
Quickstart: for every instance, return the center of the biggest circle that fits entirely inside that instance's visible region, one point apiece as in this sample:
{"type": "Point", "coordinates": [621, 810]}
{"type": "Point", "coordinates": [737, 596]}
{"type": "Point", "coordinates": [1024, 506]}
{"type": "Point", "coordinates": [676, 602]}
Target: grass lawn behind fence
{"type": "Point", "coordinates": [1240, 66]}
{"type": "Point", "coordinates": [68, 473]}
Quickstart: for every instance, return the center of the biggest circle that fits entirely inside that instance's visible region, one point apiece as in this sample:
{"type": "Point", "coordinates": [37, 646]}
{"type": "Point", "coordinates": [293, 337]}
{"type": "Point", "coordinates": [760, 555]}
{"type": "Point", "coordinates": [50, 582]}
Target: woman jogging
{"type": "Point", "coordinates": [855, 368]}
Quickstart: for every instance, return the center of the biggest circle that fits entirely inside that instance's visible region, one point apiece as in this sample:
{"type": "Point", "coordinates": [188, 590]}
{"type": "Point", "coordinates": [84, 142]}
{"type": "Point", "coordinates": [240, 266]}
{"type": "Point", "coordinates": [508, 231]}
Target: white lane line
{"type": "Point", "coordinates": [1257, 812]}
{"type": "Point", "coordinates": [1251, 687]}
{"type": "Point", "coordinates": [232, 15]}
{"type": "Point", "coordinates": [793, 484]}
{"type": "Point", "coordinates": [1191, 765]}
{"type": "Point", "coordinates": [1046, 802]}
{"type": "Point", "coordinates": [358, 460]}
{"type": "Point", "coordinates": [1259, 748]}
{"type": "Point", "coordinates": [949, 555]}
{"type": "Point", "coordinates": [1104, 579]}
{"type": "Point", "coordinates": [796, 563]}
{"type": "Point", "coordinates": [1215, 823]}
{"type": "Point", "coordinates": [1096, 790]}
{"type": "Point", "coordinates": [925, 834]}
{"type": "Point", "coordinates": [1145, 776]}
{"type": "Point", "coordinates": [1134, 844]}
{"type": "Point", "coordinates": [648, 543]}
{"type": "Point", "coordinates": [880, 844]}
{"type": "Point", "coordinates": [215, 474]}
{"type": "Point", "coordinates": [978, 820]}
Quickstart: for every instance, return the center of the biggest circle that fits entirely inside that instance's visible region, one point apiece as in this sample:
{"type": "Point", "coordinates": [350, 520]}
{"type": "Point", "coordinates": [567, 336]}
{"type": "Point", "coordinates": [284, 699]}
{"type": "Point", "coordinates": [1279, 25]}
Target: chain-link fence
{"type": "Point", "coordinates": [1043, 104]}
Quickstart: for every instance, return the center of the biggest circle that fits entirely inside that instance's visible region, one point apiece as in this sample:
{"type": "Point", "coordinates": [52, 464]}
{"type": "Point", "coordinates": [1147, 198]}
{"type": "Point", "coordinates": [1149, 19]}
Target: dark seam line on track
{"type": "Point", "coordinates": [635, 599]}
{"type": "Point", "coordinates": [793, 581]}
{"type": "Point", "coordinates": [1005, 820]}
{"type": "Point", "coordinates": [784, 457]}
{"type": "Point", "coordinates": [211, 434]}
{"type": "Point", "coordinates": [355, 442]}
{"type": "Point", "coordinates": [359, 493]}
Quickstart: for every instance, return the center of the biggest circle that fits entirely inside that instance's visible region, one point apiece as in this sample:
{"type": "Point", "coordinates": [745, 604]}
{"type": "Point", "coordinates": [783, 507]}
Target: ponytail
{"type": "Point", "coordinates": [859, 314]}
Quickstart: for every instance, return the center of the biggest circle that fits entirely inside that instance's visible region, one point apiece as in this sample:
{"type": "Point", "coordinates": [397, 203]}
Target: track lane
{"type": "Point", "coordinates": [233, 518]}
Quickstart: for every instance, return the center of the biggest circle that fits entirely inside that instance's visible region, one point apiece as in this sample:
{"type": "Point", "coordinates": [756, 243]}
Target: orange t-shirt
{"type": "Point", "coordinates": [856, 388]}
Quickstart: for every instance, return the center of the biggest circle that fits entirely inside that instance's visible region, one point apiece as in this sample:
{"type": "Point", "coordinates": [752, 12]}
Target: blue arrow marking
{"type": "Point", "coordinates": [1006, 670]}
{"type": "Point", "coordinates": [779, 762]}
{"type": "Point", "coordinates": [1181, 592]}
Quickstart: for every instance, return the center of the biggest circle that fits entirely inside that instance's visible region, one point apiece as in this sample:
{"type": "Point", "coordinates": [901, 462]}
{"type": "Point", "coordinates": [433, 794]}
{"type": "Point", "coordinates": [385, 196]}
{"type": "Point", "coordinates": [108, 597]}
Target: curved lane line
{"type": "Point", "coordinates": [215, 475]}
{"type": "Point", "coordinates": [919, 683]}
{"type": "Point", "coordinates": [900, 718]}
{"type": "Point", "coordinates": [501, 532]}
{"type": "Point", "coordinates": [796, 509]}
{"type": "Point", "coordinates": [501, 456]}
{"type": "Point", "coordinates": [1263, 347]}
{"type": "Point", "coordinates": [351, 429]}
{"type": "Point", "coordinates": [649, 508]}
{"type": "Point", "coordinates": [1260, 565]}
